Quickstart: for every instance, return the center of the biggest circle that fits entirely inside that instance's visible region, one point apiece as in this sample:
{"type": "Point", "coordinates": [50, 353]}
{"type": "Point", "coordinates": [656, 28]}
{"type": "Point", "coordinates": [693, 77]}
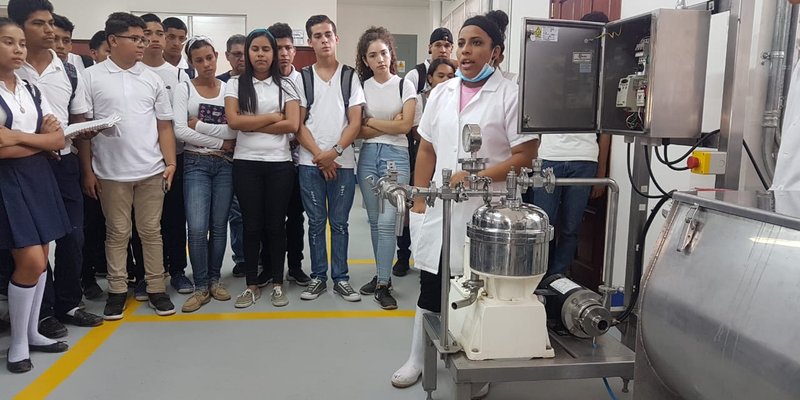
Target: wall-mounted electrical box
{"type": "Point", "coordinates": [641, 76]}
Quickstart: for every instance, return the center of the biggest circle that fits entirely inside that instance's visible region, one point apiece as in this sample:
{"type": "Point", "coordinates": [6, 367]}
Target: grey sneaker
{"type": "Point", "coordinates": [247, 298]}
{"type": "Point", "coordinates": [314, 289]}
{"type": "Point", "coordinates": [343, 288]}
{"type": "Point", "coordinates": [278, 297]}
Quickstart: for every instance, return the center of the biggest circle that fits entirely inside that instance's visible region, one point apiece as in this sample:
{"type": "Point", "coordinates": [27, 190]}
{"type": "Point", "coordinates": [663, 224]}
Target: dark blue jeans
{"type": "Point", "coordinates": [328, 201]}
{"type": "Point", "coordinates": [565, 208]}
{"type": "Point", "coordinates": [207, 193]}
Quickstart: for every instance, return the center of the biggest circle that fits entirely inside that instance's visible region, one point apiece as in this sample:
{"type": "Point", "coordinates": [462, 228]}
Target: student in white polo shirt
{"type": "Point", "coordinates": [134, 165]}
{"type": "Point", "coordinates": [327, 160]}
{"type": "Point", "coordinates": [173, 218]}
{"type": "Point", "coordinates": [44, 69]}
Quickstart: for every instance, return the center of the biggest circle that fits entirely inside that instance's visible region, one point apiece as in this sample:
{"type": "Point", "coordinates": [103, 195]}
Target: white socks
{"type": "Point", "coordinates": [34, 337]}
{"type": "Point", "coordinates": [410, 372]}
{"type": "Point", "coordinates": [23, 307]}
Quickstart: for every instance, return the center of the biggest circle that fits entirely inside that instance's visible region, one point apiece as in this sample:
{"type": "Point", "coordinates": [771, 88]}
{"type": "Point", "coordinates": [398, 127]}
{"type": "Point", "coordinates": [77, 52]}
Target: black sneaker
{"type": "Point", "coordinates": [400, 268]}
{"type": "Point", "coordinates": [238, 270]}
{"type": "Point", "coordinates": [93, 291]}
{"type": "Point", "coordinates": [384, 297]}
{"type": "Point", "coordinates": [369, 288]}
{"type": "Point", "coordinates": [52, 328]}
{"type": "Point", "coordinates": [161, 303]}
{"type": "Point", "coordinates": [82, 318]}
{"type": "Point", "coordinates": [115, 306]}
{"type": "Point", "coordinates": [298, 276]}
{"type": "Point", "coordinates": [263, 280]}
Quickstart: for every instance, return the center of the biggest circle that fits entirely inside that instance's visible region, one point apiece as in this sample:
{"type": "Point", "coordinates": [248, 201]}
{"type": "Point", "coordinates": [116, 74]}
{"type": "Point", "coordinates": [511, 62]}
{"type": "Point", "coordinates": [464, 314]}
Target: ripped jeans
{"type": "Point", "coordinates": [328, 201]}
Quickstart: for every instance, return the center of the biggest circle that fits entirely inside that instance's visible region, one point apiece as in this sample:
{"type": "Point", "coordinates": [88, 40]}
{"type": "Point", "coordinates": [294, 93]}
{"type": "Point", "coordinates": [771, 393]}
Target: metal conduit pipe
{"type": "Point", "coordinates": [775, 84]}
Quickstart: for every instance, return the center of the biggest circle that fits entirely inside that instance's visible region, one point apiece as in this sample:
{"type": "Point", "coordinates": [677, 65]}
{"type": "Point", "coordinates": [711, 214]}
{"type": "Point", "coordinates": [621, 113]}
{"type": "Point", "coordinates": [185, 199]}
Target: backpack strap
{"type": "Point", "coordinates": [307, 74]}
{"type": "Point", "coordinates": [347, 85]}
{"type": "Point", "coordinates": [422, 73]}
{"type": "Point", "coordinates": [7, 110]}
{"type": "Point", "coordinates": [37, 99]}
{"type": "Point", "coordinates": [72, 74]}
{"type": "Point", "coordinates": [402, 82]}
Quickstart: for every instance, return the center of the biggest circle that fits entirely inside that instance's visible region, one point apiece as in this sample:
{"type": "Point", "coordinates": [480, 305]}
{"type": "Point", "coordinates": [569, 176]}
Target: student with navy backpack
{"type": "Point", "coordinates": [32, 212]}
{"type": "Point", "coordinates": [388, 117]}
{"type": "Point", "coordinates": [330, 122]}
{"type": "Point", "coordinates": [65, 94]}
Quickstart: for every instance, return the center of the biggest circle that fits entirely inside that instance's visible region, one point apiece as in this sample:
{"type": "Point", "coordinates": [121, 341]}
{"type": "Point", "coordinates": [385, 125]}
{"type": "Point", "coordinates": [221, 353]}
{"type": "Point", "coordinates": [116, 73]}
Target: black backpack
{"type": "Point", "coordinates": [422, 72]}
{"type": "Point", "coordinates": [307, 73]}
{"type": "Point", "coordinates": [72, 74]}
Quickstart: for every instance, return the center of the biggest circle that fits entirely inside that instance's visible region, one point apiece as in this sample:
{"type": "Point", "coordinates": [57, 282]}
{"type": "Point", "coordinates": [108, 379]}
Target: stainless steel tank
{"type": "Point", "coordinates": [720, 300]}
{"type": "Point", "coordinates": [509, 239]}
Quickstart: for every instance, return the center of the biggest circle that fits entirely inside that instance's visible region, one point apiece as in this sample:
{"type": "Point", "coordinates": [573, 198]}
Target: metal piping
{"type": "Point", "coordinates": [775, 85]}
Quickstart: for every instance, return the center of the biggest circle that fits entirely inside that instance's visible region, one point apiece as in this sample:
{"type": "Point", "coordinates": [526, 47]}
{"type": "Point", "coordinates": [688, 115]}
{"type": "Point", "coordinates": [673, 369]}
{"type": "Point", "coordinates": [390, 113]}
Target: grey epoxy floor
{"type": "Point", "coordinates": [305, 358]}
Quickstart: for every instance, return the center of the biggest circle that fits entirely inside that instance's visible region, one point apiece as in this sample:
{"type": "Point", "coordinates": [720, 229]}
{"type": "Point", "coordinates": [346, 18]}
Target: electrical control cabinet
{"type": "Point", "coordinates": [641, 76]}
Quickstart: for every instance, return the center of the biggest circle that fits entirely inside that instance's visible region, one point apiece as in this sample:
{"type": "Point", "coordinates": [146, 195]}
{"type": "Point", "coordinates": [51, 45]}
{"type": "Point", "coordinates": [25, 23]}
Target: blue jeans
{"type": "Point", "coordinates": [327, 201]}
{"type": "Point", "coordinates": [565, 208]}
{"type": "Point", "coordinates": [207, 190]}
{"type": "Point", "coordinates": [372, 161]}
{"type": "Point", "coordinates": [237, 231]}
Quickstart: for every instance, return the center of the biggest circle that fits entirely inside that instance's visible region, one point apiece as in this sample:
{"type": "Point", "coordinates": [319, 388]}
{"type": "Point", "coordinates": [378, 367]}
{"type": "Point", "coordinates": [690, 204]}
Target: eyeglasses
{"type": "Point", "coordinates": [136, 39]}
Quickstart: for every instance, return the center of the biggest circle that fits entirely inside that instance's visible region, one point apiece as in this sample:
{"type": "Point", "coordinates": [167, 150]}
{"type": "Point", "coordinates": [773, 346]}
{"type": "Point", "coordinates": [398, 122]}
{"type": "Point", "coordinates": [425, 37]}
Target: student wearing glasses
{"type": "Point", "coordinates": [134, 164]}
{"type": "Point", "coordinates": [389, 116]}
{"type": "Point", "coordinates": [264, 107]}
{"type": "Point", "coordinates": [199, 108]}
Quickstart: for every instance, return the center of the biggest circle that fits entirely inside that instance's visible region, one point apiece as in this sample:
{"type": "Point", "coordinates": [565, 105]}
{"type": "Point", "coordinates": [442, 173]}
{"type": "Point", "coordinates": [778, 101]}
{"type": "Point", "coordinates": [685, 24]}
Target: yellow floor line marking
{"type": "Point", "coordinates": [328, 241]}
{"type": "Point", "coordinates": [267, 315]}
{"type": "Point", "coordinates": [74, 358]}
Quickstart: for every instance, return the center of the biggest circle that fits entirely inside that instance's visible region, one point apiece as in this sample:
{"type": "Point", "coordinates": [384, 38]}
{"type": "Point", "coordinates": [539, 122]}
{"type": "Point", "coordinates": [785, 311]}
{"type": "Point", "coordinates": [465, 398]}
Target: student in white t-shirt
{"type": "Point", "coordinates": [173, 219]}
{"type": "Point", "coordinates": [327, 160]}
{"type": "Point", "coordinates": [264, 107]}
{"type": "Point", "coordinates": [132, 167]}
{"type": "Point", "coordinates": [200, 122]}
{"type": "Point", "coordinates": [388, 117]}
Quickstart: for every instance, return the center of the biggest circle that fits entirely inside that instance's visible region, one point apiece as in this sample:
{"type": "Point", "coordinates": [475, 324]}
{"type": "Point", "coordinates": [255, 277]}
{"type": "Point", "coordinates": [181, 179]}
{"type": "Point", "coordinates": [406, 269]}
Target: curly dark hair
{"type": "Point", "coordinates": [370, 35]}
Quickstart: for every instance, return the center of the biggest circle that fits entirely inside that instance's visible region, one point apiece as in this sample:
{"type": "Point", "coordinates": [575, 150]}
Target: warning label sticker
{"type": "Point", "coordinates": [544, 33]}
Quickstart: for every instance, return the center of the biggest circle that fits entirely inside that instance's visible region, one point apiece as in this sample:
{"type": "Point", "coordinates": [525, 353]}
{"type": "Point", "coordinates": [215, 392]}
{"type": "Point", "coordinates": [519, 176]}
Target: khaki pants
{"type": "Point", "coordinates": [117, 200]}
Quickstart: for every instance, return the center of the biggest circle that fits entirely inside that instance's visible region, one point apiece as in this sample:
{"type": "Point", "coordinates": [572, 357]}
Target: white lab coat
{"type": "Point", "coordinates": [787, 169]}
{"type": "Point", "coordinates": [494, 109]}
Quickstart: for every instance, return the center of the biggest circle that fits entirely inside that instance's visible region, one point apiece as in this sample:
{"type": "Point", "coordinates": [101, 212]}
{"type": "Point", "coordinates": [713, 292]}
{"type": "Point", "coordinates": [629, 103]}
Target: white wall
{"type": "Point", "coordinates": [354, 19]}
{"type": "Point", "coordinates": [89, 15]}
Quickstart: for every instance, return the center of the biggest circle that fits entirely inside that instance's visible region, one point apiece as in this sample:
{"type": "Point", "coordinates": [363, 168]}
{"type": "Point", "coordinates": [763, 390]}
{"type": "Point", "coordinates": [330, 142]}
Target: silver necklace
{"type": "Point", "coordinates": [18, 98]}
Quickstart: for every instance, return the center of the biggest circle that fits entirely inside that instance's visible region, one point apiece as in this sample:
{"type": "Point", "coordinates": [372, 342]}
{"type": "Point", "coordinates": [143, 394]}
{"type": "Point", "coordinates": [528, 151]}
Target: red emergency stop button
{"type": "Point", "coordinates": [692, 162]}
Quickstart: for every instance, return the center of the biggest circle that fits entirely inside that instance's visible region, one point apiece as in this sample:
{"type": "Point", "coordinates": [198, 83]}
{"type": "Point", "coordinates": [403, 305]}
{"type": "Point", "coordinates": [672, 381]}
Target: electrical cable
{"type": "Point", "coordinates": [608, 388]}
{"type": "Point", "coordinates": [638, 265]}
{"type": "Point", "coordinates": [663, 161]}
{"type": "Point", "coordinates": [753, 160]}
{"type": "Point", "coordinates": [630, 178]}
{"type": "Point", "coordinates": [694, 147]}
{"type": "Point", "coordinates": [650, 170]}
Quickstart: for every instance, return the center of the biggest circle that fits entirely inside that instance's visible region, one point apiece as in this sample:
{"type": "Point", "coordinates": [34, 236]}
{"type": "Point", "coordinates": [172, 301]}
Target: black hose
{"type": "Point", "coordinates": [630, 178]}
{"type": "Point", "coordinates": [665, 162]}
{"type": "Point", "coordinates": [753, 160]}
{"type": "Point", "coordinates": [694, 147]}
{"type": "Point", "coordinates": [650, 171]}
{"type": "Point", "coordinates": [638, 264]}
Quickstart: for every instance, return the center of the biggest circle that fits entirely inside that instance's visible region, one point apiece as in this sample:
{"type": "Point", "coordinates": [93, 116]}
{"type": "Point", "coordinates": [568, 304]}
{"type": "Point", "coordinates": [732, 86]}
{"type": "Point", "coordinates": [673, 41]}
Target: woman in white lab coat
{"type": "Point", "coordinates": [479, 95]}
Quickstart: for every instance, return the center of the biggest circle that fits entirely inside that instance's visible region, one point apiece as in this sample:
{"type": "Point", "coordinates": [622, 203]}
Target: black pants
{"type": "Point", "coordinates": [295, 234]}
{"type": "Point", "coordinates": [63, 290]}
{"type": "Point", "coordinates": [94, 248]}
{"type": "Point", "coordinates": [430, 290]}
{"type": "Point", "coordinates": [404, 241]}
{"type": "Point", "coordinates": [264, 190]}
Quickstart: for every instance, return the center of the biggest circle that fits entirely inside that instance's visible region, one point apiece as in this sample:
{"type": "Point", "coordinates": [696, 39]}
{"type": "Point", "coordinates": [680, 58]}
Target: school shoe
{"type": "Point", "coordinates": [298, 276]}
{"type": "Point", "coordinates": [82, 318]}
{"type": "Point", "coordinates": [18, 367]}
{"type": "Point", "coordinates": [369, 288]}
{"type": "Point", "coordinates": [238, 270]}
{"type": "Point", "coordinates": [57, 347]}
{"type": "Point", "coordinates": [278, 297]}
{"type": "Point", "coordinates": [140, 291]}
{"type": "Point", "coordinates": [182, 284]}
{"type": "Point", "coordinates": [52, 328]}
{"type": "Point", "coordinates": [219, 292]}
{"type": "Point", "coordinates": [247, 298]}
{"type": "Point", "coordinates": [315, 288]}
{"type": "Point", "coordinates": [343, 288]}
{"type": "Point", "coordinates": [198, 299]}
{"type": "Point", "coordinates": [401, 268]}
{"type": "Point", "coordinates": [161, 303]}
{"type": "Point", "coordinates": [92, 291]}
{"type": "Point", "coordinates": [384, 298]}
{"type": "Point", "coordinates": [115, 306]}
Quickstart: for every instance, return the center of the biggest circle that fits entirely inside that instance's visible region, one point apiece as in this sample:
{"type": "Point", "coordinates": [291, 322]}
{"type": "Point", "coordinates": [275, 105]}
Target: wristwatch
{"type": "Point", "coordinates": [338, 149]}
